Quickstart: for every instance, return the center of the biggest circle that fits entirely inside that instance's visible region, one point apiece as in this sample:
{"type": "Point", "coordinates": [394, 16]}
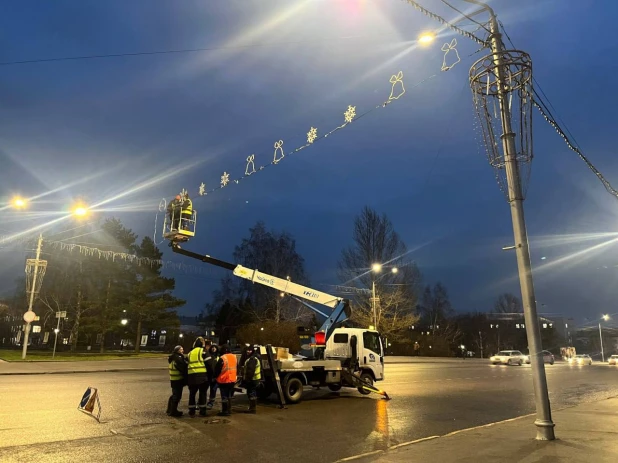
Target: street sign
{"type": "Point", "coordinates": [62, 314]}
{"type": "Point", "coordinates": [29, 316]}
{"type": "Point", "coordinates": [88, 402]}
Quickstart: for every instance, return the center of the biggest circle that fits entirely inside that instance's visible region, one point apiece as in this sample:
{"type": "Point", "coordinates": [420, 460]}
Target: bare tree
{"type": "Point", "coordinates": [375, 241]}
{"type": "Point", "coordinates": [273, 253]}
{"type": "Point", "coordinates": [508, 303]}
{"type": "Point", "coordinates": [436, 306]}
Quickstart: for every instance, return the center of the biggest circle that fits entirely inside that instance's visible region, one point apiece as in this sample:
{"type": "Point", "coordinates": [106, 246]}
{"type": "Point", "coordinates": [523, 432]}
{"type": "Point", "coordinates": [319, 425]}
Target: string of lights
{"type": "Point", "coordinates": [543, 108]}
{"type": "Point", "coordinates": [446, 23]}
{"type": "Point", "coordinates": [397, 91]}
{"type": "Point", "coordinates": [547, 116]}
{"type": "Point", "coordinates": [115, 256]}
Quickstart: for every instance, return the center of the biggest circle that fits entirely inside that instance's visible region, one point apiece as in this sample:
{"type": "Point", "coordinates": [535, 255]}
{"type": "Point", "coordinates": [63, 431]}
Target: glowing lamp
{"type": "Point", "coordinates": [320, 338]}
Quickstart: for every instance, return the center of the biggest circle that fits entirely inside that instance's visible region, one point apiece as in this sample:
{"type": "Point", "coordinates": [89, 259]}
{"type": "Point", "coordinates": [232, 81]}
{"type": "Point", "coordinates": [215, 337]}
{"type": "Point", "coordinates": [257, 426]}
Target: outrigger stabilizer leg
{"type": "Point", "coordinates": [359, 382]}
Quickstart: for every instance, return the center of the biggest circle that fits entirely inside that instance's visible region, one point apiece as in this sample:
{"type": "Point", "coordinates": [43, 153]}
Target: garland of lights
{"type": "Point", "coordinates": [397, 90]}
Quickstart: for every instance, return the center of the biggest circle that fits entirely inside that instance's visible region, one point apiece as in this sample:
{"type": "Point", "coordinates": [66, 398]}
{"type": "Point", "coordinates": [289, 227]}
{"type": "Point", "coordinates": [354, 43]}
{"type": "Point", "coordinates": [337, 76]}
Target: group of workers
{"type": "Point", "coordinates": [207, 368]}
{"type": "Point", "coordinates": [180, 206]}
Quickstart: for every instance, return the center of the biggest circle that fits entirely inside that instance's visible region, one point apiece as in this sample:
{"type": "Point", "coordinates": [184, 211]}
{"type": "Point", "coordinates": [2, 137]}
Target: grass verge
{"type": "Point", "coordinates": [10, 355]}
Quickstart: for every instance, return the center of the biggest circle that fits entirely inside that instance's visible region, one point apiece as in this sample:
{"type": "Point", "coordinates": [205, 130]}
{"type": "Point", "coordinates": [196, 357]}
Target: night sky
{"type": "Point", "coordinates": [131, 130]}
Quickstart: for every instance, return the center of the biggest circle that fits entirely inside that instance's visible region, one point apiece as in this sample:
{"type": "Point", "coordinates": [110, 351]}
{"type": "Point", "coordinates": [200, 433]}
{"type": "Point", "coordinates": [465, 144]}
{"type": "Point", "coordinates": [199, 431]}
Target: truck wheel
{"type": "Point", "coordinates": [334, 387]}
{"type": "Point", "coordinates": [368, 379]}
{"type": "Point", "coordinates": [265, 390]}
{"type": "Point", "coordinates": [293, 390]}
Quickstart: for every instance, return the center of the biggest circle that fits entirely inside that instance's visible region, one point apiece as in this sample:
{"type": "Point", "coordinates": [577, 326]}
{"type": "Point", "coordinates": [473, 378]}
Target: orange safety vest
{"type": "Point", "coordinates": [228, 372]}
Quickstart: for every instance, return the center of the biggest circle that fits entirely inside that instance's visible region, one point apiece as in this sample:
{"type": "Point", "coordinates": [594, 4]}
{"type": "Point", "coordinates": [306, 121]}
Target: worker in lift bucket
{"type": "Point", "coordinates": [252, 374]}
{"type": "Point", "coordinates": [186, 211]}
{"type": "Point", "coordinates": [174, 209]}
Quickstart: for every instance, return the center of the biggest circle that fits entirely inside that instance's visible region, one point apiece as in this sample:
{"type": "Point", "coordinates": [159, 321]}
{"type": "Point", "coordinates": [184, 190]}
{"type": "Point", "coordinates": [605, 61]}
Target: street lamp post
{"type": "Point", "coordinates": [605, 317]}
{"type": "Point", "coordinates": [59, 315]}
{"type": "Point", "coordinates": [376, 268]}
{"type": "Point", "coordinates": [500, 76]}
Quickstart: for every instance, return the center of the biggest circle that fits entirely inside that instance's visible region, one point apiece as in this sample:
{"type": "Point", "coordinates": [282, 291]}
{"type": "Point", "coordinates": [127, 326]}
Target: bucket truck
{"type": "Point", "coordinates": [343, 357]}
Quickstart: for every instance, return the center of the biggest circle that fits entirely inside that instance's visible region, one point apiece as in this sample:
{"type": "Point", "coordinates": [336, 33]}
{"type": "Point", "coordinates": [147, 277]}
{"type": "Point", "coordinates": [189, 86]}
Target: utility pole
{"type": "Point", "coordinates": [544, 423]}
{"type": "Point", "coordinates": [601, 336]}
{"type": "Point", "coordinates": [29, 316]}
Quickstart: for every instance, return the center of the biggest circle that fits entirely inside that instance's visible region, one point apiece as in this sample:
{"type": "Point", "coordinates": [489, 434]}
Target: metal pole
{"type": "Point", "coordinates": [601, 336]}
{"type": "Point", "coordinates": [544, 423]}
{"type": "Point", "coordinates": [375, 320]}
{"type": "Point", "coordinates": [31, 302]}
{"type": "Point", "coordinates": [56, 339]}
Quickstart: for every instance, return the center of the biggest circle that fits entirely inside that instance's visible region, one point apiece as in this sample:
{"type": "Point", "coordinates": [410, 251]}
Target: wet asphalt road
{"type": "Point", "coordinates": [39, 420]}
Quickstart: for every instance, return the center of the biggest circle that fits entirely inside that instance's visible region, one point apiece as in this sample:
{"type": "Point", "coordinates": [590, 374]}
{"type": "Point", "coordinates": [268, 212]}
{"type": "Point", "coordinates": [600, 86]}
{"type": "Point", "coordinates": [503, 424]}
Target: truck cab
{"type": "Point", "coordinates": [358, 346]}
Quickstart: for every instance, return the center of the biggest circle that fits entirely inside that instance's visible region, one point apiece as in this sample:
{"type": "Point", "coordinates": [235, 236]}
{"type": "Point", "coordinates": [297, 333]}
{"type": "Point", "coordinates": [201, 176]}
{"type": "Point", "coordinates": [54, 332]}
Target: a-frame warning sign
{"type": "Point", "coordinates": [88, 402]}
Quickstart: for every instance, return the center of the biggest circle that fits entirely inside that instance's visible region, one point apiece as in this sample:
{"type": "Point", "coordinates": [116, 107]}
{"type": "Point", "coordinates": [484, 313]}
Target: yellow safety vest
{"type": "Point", "coordinates": [188, 207]}
{"type": "Point", "coordinates": [257, 375]}
{"type": "Point", "coordinates": [175, 375]}
{"type": "Point", "coordinates": [196, 361]}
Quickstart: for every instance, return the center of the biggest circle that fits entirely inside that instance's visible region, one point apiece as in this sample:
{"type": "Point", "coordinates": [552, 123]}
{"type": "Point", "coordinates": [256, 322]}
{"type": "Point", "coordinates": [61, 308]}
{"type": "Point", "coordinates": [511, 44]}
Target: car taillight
{"type": "Point", "coordinates": [320, 338]}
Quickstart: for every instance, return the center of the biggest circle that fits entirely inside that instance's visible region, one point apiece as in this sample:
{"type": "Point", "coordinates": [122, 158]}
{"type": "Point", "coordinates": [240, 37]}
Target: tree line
{"type": "Point", "coordinates": [97, 293]}
{"type": "Point", "coordinates": [405, 310]}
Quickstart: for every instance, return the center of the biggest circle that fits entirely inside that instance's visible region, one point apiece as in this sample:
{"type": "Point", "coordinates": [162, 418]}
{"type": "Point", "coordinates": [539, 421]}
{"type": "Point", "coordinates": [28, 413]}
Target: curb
{"type": "Point", "coordinates": [69, 372]}
{"type": "Point", "coordinates": [460, 431]}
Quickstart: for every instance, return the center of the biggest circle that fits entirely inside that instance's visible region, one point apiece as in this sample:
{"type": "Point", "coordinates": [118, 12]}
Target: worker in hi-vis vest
{"type": "Point", "coordinates": [177, 365]}
{"type": "Point", "coordinates": [225, 372]}
{"type": "Point", "coordinates": [251, 376]}
{"type": "Point", "coordinates": [197, 378]}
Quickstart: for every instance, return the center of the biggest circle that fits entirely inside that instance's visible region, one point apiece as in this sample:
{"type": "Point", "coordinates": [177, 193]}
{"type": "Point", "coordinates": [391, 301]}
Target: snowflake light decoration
{"type": "Point", "coordinates": [312, 135]}
{"type": "Point", "coordinates": [202, 190]}
{"type": "Point", "coordinates": [225, 179]}
{"type": "Point", "coordinates": [350, 114]}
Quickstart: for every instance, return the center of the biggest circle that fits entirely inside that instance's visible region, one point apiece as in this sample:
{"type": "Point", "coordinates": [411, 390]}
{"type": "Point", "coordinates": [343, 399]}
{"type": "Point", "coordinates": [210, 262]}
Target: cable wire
{"type": "Point", "coordinates": [543, 108]}
{"type": "Point", "coordinates": [466, 16]}
{"type": "Point", "coordinates": [440, 19]}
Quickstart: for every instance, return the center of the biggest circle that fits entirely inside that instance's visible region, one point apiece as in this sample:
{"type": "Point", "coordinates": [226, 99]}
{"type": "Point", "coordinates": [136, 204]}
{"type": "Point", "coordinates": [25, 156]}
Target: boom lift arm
{"type": "Point", "coordinates": [301, 293]}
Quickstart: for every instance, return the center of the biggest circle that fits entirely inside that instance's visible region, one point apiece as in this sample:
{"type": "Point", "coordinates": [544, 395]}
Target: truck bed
{"type": "Point", "coordinates": [308, 365]}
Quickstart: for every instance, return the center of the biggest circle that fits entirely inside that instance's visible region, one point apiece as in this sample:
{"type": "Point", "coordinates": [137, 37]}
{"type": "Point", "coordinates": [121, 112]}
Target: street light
{"type": "Point", "coordinates": [124, 321]}
{"type": "Point", "coordinates": [376, 267]}
{"type": "Point", "coordinates": [605, 317]}
{"type": "Point", "coordinates": [394, 270]}
{"type": "Point", "coordinates": [80, 210]}
{"type": "Point", "coordinates": [18, 202]}
{"type": "Point", "coordinates": [426, 38]}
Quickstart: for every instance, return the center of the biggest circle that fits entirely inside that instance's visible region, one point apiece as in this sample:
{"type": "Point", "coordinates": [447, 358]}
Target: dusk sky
{"type": "Point", "coordinates": [131, 130]}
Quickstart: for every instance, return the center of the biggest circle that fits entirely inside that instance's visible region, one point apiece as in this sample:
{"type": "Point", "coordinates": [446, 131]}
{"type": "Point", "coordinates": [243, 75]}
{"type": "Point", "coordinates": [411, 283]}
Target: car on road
{"type": "Point", "coordinates": [581, 359]}
{"type": "Point", "coordinates": [508, 357]}
{"type": "Point", "coordinates": [613, 360]}
{"type": "Point", "coordinates": [548, 357]}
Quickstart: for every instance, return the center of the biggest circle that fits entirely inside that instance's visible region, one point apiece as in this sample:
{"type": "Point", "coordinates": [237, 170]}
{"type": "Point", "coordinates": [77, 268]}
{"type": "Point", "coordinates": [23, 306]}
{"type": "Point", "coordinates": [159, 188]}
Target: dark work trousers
{"type": "Point", "coordinates": [213, 392]}
{"type": "Point", "coordinates": [227, 391]}
{"type": "Point", "coordinates": [177, 387]}
{"type": "Point", "coordinates": [252, 389]}
{"type": "Point", "coordinates": [201, 400]}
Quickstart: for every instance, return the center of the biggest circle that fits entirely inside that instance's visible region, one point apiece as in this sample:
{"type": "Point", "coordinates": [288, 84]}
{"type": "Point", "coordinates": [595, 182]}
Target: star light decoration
{"type": "Point", "coordinates": [312, 135]}
{"type": "Point", "coordinates": [225, 179]}
{"type": "Point", "coordinates": [350, 114]}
